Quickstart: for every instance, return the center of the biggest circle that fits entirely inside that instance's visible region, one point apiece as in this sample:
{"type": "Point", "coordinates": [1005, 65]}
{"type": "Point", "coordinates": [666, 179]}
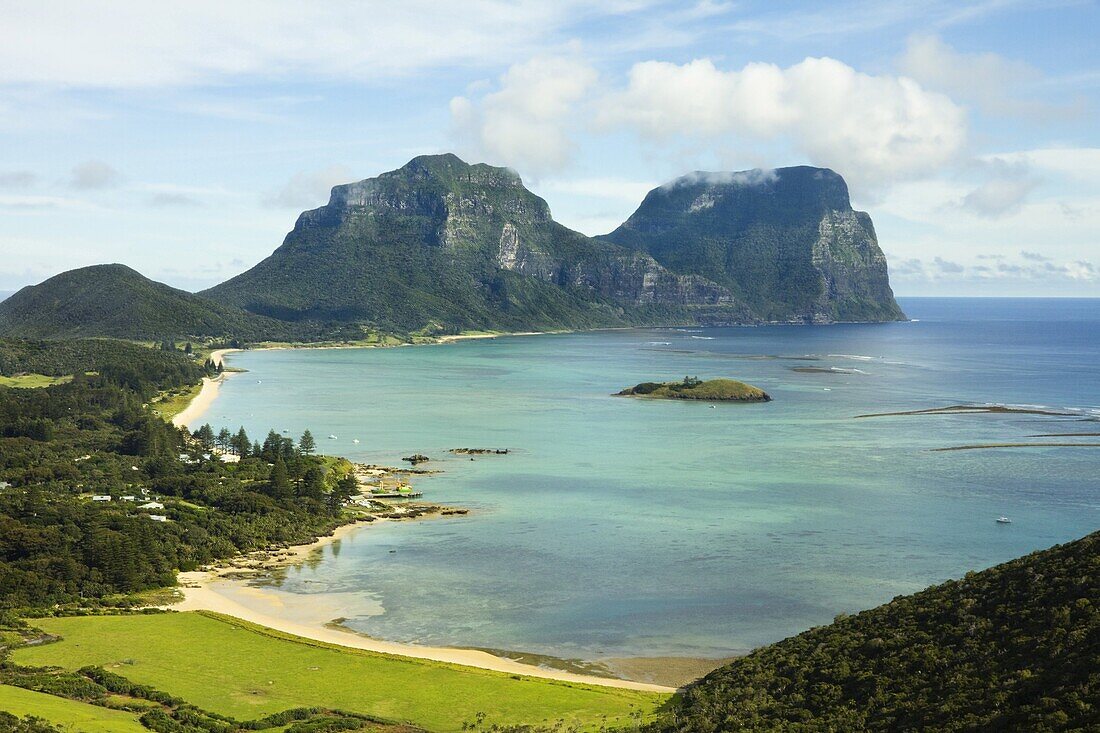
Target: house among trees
{"type": "Point", "coordinates": [158, 517]}
{"type": "Point", "coordinates": [151, 505]}
{"type": "Point", "coordinates": [101, 497]}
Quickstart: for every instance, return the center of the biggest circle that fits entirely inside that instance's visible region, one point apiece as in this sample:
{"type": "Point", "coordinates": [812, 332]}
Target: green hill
{"type": "Point", "coordinates": [786, 242]}
{"type": "Point", "coordinates": [116, 301]}
{"type": "Point", "coordinates": [1012, 648]}
{"type": "Point", "coordinates": [445, 246]}
{"type": "Point", "coordinates": [461, 246]}
{"type": "Point", "coordinates": [693, 388]}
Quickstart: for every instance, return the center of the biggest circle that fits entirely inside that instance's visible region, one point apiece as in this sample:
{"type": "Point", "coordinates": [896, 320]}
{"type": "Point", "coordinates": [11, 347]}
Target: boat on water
{"type": "Point", "coordinates": [332, 437]}
{"type": "Point", "coordinates": [355, 440]}
{"type": "Point", "coordinates": [1004, 520]}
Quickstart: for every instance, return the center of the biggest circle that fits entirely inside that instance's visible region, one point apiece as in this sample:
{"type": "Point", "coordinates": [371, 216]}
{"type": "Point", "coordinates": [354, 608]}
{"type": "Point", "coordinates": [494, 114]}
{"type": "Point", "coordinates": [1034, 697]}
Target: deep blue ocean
{"type": "Point", "coordinates": [629, 527]}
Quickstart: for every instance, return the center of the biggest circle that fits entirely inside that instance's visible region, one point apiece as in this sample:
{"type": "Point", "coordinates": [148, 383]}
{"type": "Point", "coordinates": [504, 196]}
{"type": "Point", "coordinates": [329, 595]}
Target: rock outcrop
{"type": "Point", "coordinates": [459, 246]}
{"type": "Point", "coordinates": [785, 243]}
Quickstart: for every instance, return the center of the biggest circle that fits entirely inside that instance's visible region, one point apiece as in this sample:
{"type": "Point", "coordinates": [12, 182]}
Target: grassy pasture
{"type": "Point", "coordinates": [246, 671]}
{"type": "Point", "coordinates": [68, 714]}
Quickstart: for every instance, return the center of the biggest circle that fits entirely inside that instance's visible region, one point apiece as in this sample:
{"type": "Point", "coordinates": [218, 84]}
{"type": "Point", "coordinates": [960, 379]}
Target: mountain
{"type": "Point", "coordinates": [786, 242]}
{"type": "Point", "coordinates": [5, 294]}
{"type": "Point", "coordinates": [1012, 648]}
{"type": "Point", "coordinates": [114, 300]}
{"type": "Point", "coordinates": [445, 246]}
{"type": "Point", "coordinates": [461, 246]}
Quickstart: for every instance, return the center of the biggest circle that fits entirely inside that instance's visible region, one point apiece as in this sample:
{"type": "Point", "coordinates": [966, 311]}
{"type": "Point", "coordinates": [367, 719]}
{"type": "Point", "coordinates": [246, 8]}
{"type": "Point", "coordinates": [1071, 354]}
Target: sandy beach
{"type": "Point", "coordinates": [211, 590]}
{"type": "Point", "coordinates": [206, 396]}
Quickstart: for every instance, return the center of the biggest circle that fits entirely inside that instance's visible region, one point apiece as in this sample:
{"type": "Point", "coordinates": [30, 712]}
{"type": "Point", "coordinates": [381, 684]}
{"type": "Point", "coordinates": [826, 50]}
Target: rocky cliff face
{"type": "Point", "coordinates": [463, 246]}
{"type": "Point", "coordinates": [785, 243]}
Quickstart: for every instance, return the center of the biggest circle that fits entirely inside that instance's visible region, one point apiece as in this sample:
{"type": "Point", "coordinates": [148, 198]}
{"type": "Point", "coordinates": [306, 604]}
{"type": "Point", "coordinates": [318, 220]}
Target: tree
{"type": "Point", "coordinates": [306, 444]}
{"type": "Point", "coordinates": [271, 447]}
{"type": "Point", "coordinates": [313, 483]}
{"type": "Point", "coordinates": [278, 483]}
{"type": "Point", "coordinates": [345, 489]}
{"type": "Point", "coordinates": [240, 443]}
{"type": "Point", "coordinates": [223, 438]}
{"type": "Point", "coordinates": [205, 436]}
{"type": "Point", "coordinates": [187, 348]}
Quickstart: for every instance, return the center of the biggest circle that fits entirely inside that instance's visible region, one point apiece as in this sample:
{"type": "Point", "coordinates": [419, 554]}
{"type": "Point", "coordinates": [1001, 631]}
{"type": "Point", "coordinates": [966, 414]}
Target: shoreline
{"type": "Point", "coordinates": [203, 401]}
{"type": "Point", "coordinates": [201, 592]}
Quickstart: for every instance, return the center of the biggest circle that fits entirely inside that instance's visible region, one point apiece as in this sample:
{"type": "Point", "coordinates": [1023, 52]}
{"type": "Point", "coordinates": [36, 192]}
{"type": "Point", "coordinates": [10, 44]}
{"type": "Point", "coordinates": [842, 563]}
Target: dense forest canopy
{"type": "Point", "coordinates": [63, 444]}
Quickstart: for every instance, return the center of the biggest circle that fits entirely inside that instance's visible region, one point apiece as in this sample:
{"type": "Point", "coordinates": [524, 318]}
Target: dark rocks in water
{"type": "Point", "coordinates": [479, 451]}
{"type": "Point", "coordinates": [416, 458]}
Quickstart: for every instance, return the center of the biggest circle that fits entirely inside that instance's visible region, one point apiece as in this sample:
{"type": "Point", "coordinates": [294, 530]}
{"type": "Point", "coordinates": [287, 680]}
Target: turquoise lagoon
{"type": "Point", "coordinates": [620, 527]}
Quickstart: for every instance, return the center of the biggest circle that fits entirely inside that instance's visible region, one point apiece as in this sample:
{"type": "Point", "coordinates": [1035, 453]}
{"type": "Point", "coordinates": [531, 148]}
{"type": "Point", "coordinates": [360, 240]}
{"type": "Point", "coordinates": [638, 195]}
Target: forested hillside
{"type": "Point", "coordinates": [116, 301]}
{"type": "Point", "coordinates": [63, 444]}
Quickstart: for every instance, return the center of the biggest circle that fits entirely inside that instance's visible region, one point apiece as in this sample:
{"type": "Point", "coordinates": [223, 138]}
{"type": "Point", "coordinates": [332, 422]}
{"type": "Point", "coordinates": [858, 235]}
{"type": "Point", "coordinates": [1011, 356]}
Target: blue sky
{"type": "Point", "coordinates": [183, 139]}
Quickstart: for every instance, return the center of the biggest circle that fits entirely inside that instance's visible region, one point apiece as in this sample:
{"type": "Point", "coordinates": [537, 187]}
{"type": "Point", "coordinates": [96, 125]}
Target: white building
{"type": "Point", "coordinates": [101, 497]}
{"type": "Point", "coordinates": [151, 505]}
{"type": "Point", "coordinates": [129, 498]}
{"type": "Point", "coordinates": [158, 517]}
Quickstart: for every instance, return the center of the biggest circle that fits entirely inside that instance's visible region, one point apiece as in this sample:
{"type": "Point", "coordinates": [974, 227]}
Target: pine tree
{"type": "Point", "coordinates": [205, 436]}
{"type": "Point", "coordinates": [278, 483]}
{"type": "Point", "coordinates": [223, 439]}
{"type": "Point", "coordinates": [313, 483]}
{"type": "Point", "coordinates": [271, 446]}
{"type": "Point", "coordinates": [306, 444]}
{"type": "Point", "coordinates": [241, 443]}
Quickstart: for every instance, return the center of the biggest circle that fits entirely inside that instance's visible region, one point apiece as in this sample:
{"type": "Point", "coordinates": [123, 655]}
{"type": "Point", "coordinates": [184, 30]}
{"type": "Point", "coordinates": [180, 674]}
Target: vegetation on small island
{"type": "Point", "coordinates": [693, 388]}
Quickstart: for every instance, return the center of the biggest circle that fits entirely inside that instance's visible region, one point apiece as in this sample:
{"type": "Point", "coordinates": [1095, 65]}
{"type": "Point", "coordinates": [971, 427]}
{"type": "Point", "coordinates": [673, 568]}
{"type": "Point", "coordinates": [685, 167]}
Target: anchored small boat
{"type": "Point", "coordinates": [1004, 520]}
{"type": "Point", "coordinates": [332, 437]}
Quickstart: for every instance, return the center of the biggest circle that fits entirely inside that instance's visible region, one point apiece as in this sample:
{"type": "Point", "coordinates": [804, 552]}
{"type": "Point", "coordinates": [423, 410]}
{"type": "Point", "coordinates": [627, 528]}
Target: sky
{"type": "Point", "coordinates": [183, 139]}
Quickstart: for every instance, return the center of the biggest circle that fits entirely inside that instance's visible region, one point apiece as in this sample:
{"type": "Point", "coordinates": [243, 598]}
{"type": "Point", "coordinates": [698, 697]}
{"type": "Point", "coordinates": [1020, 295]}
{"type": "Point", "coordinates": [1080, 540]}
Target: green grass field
{"type": "Point", "coordinates": [245, 671]}
{"type": "Point", "coordinates": [24, 381]}
{"type": "Point", "coordinates": [68, 714]}
{"type": "Point", "coordinates": [173, 403]}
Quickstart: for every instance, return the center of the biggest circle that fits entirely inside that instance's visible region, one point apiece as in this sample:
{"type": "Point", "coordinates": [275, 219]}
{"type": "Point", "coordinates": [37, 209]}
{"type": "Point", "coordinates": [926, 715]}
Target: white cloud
{"type": "Point", "coordinates": [526, 122]}
{"type": "Point", "coordinates": [986, 79]}
{"type": "Point", "coordinates": [308, 189]}
{"type": "Point", "coordinates": [871, 129]}
{"type": "Point", "coordinates": [617, 189]}
{"type": "Point", "coordinates": [1042, 244]}
{"type": "Point", "coordinates": [93, 174]}
{"type": "Point", "coordinates": [998, 197]}
{"type": "Point", "coordinates": [172, 199]}
{"type": "Point", "coordinates": [134, 43]}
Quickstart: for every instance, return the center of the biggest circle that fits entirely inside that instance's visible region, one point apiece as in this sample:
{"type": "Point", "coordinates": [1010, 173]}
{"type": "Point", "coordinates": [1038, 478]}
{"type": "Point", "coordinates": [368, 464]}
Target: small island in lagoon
{"type": "Point", "coordinates": [693, 388]}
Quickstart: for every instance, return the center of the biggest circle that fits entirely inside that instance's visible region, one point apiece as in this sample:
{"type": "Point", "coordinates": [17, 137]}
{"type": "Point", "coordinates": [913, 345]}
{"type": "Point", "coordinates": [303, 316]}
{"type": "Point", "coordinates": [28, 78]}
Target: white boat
{"type": "Point", "coordinates": [1004, 520]}
{"type": "Point", "coordinates": [332, 437]}
{"type": "Point", "coordinates": [355, 440]}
